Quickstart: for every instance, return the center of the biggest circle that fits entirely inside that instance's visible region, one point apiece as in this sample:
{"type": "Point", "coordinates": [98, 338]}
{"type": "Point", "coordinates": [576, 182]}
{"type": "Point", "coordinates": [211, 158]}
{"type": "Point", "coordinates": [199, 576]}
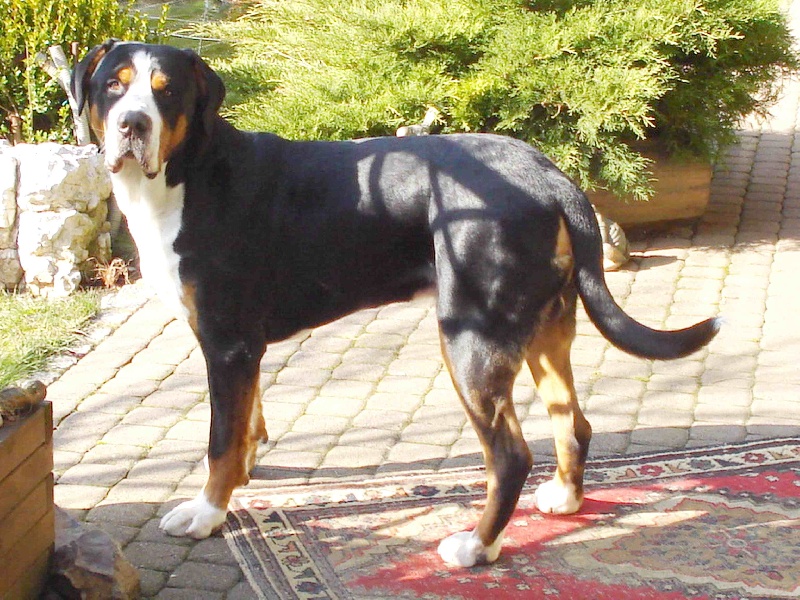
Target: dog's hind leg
{"type": "Point", "coordinates": [549, 360]}
{"type": "Point", "coordinates": [483, 375]}
{"type": "Point", "coordinates": [237, 425]}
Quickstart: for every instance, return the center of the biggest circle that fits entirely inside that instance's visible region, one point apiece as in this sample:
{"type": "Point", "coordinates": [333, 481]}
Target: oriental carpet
{"type": "Point", "coordinates": [715, 523]}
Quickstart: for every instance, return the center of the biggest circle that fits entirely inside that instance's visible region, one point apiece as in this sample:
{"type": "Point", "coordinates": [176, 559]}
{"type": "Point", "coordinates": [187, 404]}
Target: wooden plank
{"type": "Point", "coordinates": [47, 406]}
{"type": "Point", "coordinates": [31, 584]}
{"type": "Point", "coordinates": [25, 478]}
{"type": "Point", "coordinates": [682, 190]}
{"type": "Point", "coordinates": [15, 526]}
{"type": "Point", "coordinates": [18, 564]}
{"type": "Point", "coordinates": [19, 439]}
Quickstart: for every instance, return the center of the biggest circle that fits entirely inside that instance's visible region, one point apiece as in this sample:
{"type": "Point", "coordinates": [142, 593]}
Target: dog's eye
{"type": "Point", "coordinates": [114, 85]}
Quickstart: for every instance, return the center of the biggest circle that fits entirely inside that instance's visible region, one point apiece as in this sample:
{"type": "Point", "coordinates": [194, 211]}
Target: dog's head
{"type": "Point", "coordinates": [145, 101]}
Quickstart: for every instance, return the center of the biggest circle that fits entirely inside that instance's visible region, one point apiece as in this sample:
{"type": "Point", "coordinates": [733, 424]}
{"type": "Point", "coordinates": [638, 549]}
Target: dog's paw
{"type": "Point", "coordinates": [465, 549]}
{"type": "Point", "coordinates": [195, 518]}
{"type": "Point", "coordinates": [556, 498]}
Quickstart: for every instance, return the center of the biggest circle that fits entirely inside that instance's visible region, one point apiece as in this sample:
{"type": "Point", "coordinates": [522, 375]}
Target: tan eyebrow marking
{"type": "Point", "coordinates": [159, 80]}
{"type": "Point", "coordinates": [125, 75]}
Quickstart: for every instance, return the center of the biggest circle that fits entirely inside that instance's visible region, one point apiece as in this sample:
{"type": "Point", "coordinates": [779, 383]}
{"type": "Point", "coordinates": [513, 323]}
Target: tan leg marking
{"type": "Point", "coordinates": [549, 361]}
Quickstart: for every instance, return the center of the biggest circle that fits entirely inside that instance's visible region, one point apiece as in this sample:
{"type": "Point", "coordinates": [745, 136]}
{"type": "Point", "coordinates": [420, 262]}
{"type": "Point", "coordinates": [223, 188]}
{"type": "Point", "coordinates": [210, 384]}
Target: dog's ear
{"type": "Point", "coordinates": [210, 90]}
{"type": "Point", "coordinates": [82, 74]}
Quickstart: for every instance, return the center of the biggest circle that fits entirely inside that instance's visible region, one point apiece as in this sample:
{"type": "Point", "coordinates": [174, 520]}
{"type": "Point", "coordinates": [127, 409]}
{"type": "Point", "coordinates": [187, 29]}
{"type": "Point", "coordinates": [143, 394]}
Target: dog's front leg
{"type": "Point", "coordinates": [237, 425]}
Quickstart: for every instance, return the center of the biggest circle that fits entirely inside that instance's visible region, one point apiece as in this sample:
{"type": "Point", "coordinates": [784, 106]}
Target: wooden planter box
{"type": "Point", "coordinates": [26, 503]}
{"type": "Point", "coordinates": [682, 189]}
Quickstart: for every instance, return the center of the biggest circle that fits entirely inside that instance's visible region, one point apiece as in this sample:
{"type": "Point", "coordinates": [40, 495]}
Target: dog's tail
{"type": "Point", "coordinates": [612, 322]}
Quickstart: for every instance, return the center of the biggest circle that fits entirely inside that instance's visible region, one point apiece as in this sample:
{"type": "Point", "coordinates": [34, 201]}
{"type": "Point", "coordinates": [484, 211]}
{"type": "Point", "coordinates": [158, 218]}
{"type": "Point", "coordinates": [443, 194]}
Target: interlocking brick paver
{"type": "Point", "coordinates": [137, 491]}
{"type": "Point", "coordinates": [299, 441]}
{"type": "Point", "coordinates": [156, 556]}
{"type": "Point", "coordinates": [347, 389]}
{"type": "Point", "coordinates": [122, 515]}
{"type": "Point", "coordinates": [314, 359]}
{"type": "Point", "coordinates": [115, 403]}
{"type": "Point", "coordinates": [359, 372]}
{"type": "Point", "coordinates": [292, 459]}
{"type": "Point", "coordinates": [199, 412]}
{"type": "Point", "coordinates": [770, 427]}
{"type": "Point", "coordinates": [393, 384]}
{"type": "Point", "coordinates": [404, 454]}
{"type": "Point", "coordinates": [152, 416]}
{"type": "Point", "coordinates": [336, 406]}
{"type": "Point", "coordinates": [321, 424]}
{"type": "Point", "coordinates": [370, 437]}
{"type": "Point", "coordinates": [722, 414]}
{"type": "Point", "coordinates": [172, 399]}
{"type": "Point", "coordinates": [619, 387]}
{"type": "Point", "coordinates": [660, 437]}
{"type": "Point", "coordinates": [352, 457]}
{"type": "Point", "coordinates": [151, 582]}
{"type": "Point", "coordinates": [407, 403]}
{"type": "Point", "coordinates": [306, 377]}
{"type": "Point", "coordinates": [437, 434]}
{"type": "Point", "coordinates": [717, 433]}
{"type": "Point", "coordinates": [115, 454]}
{"type": "Point", "coordinates": [195, 575]}
{"type": "Point", "coordinates": [134, 435]}
{"type": "Point", "coordinates": [95, 474]}
{"type": "Point", "coordinates": [666, 415]}
{"type": "Point", "coordinates": [193, 431]}
{"type": "Point", "coordinates": [171, 593]}
{"type": "Point", "coordinates": [63, 460]}
{"type": "Point", "coordinates": [80, 431]}
{"type": "Point", "coordinates": [78, 497]}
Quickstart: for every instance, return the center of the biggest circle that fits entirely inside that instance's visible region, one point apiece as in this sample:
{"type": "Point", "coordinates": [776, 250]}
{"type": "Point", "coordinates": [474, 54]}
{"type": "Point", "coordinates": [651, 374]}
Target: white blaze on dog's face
{"type": "Point", "coordinates": [135, 109]}
{"type": "Point", "coordinates": [133, 124]}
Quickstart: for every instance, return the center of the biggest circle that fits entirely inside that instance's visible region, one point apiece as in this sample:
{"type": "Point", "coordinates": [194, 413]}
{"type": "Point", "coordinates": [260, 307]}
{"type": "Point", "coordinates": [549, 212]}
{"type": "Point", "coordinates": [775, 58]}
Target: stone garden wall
{"type": "Point", "coordinates": [53, 216]}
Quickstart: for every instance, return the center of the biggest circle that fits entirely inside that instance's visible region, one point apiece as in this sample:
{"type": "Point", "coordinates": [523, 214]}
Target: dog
{"type": "Point", "coordinates": [251, 238]}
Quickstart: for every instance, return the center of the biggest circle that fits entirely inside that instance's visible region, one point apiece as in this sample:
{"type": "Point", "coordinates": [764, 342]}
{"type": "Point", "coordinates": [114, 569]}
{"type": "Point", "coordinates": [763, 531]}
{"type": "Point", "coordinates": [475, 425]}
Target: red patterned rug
{"type": "Point", "coordinates": [717, 523]}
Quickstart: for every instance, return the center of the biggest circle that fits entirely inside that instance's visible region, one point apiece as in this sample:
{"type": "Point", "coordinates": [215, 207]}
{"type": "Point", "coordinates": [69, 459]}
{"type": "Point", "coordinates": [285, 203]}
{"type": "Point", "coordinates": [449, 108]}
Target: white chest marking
{"type": "Point", "coordinates": [154, 212]}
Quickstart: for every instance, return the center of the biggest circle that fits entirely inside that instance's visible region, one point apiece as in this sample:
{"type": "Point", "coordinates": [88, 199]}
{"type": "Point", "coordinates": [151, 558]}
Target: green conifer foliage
{"type": "Point", "coordinates": [580, 79]}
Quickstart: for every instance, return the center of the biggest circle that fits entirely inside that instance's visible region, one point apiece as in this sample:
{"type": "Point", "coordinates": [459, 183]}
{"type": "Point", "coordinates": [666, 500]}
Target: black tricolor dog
{"type": "Point", "coordinates": [251, 238]}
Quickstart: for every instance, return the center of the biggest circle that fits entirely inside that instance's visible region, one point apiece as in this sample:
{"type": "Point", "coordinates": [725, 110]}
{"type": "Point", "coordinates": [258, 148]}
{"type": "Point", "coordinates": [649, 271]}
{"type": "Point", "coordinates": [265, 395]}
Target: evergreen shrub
{"type": "Point", "coordinates": [580, 79]}
{"type": "Point", "coordinates": [32, 26]}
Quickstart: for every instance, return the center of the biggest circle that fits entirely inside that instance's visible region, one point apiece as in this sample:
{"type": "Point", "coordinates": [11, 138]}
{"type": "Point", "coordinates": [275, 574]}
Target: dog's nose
{"type": "Point", "coordinates": [134, 123]}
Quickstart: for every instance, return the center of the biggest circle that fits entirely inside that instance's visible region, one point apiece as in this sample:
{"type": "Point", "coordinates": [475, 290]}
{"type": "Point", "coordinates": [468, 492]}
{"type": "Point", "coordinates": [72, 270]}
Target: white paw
{"type": "Point", "coordinates": [553, 497]}
{"type": "Point", "coordinates": [465, 549]}
{"type": "Point", "coordinates": [195, 518]}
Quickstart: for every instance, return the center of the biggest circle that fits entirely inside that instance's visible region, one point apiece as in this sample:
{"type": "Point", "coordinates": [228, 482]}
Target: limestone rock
{"type": "Point", "coordinates": [10, 269]}
{"type": "Point", "coordinates": [89, 565]}
{"type": "Point", "coordinates": [62, 194]}
{"type": "Point", "coordinates": [52, 247]}
{"type": "Point", "coordinates": [54, 176]}
{"type": "Point", "coordinates": [8, 200]}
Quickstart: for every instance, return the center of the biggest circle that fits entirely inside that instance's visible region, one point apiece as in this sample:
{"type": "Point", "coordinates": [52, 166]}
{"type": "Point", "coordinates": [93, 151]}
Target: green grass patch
{"type": "Point", "coordinates": [34, 329]}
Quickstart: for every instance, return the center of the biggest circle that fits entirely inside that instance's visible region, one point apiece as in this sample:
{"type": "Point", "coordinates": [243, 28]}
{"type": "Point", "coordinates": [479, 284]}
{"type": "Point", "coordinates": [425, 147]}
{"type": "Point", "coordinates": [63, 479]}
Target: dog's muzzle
{"type": "Point", "coordinates": [135, 124]}
{"type": "Point", "coordinates": [134, 135]}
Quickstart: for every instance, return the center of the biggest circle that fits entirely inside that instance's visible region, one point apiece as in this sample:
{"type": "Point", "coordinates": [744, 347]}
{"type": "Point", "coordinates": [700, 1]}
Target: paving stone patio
{"type": "Point", "coordinates": [368, 394]}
